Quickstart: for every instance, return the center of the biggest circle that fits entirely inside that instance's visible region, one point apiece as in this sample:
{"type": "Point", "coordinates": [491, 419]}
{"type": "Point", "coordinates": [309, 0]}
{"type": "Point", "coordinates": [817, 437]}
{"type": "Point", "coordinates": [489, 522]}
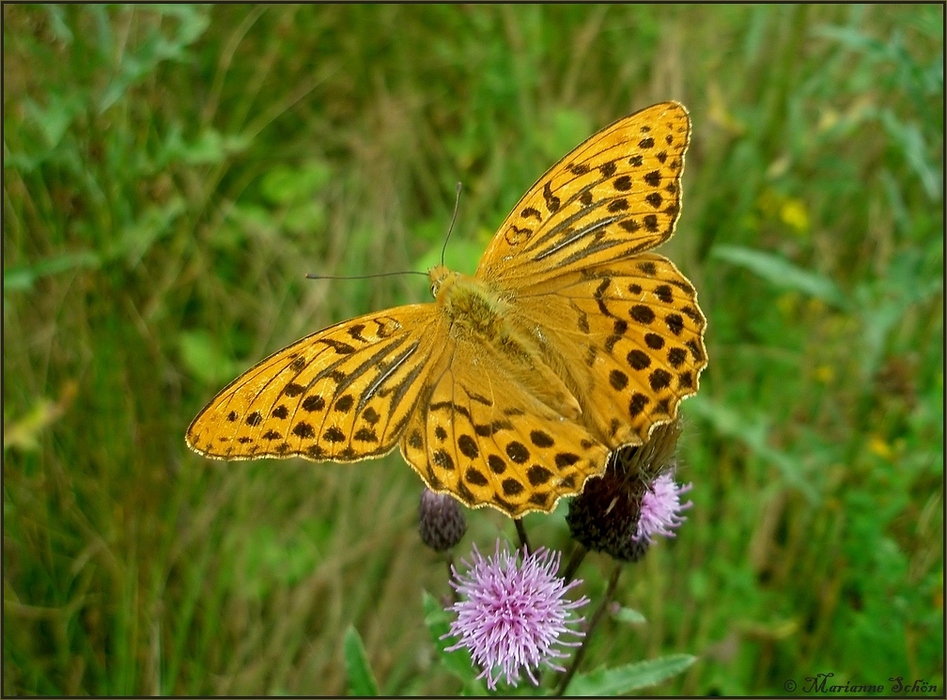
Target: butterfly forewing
{"type": "Point", "coordinates": [344, 393]}
{"type": "Point", "coordinates": [615, 195]}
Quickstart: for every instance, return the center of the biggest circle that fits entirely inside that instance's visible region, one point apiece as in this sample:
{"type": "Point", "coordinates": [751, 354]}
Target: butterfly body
{"type": "Point", "coordinates": [510, 389]}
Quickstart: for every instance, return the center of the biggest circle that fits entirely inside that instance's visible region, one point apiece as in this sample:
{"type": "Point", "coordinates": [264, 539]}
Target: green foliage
{"type": "Point", "coordinates": [172, 172]}
{"type": "Point", "coordinates": [782, 273]}
{"type": "Point", "coordinates": [624, 679]}
{"type": "Point", "coordinates": [361, 681]}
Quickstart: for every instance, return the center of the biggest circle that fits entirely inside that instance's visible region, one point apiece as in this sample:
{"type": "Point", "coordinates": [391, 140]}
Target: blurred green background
{"type": "Point", "coordinates": [170, 175]}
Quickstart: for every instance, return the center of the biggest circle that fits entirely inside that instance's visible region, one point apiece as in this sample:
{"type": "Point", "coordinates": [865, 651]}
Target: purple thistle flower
{"type": "Point", "coordinates": [660, 508]}
{"type": "Point", "coordinates": [511, 613]}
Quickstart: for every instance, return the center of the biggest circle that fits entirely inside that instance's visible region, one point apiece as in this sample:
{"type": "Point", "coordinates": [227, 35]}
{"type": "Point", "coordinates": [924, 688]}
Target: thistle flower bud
{"type": "Point", "coordinates": [441, 522]}
{"type": "Point", "coordinates": [635, 499]}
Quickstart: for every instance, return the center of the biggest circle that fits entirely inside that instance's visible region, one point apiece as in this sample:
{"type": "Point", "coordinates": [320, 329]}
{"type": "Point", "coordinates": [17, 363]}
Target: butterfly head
{"type": "Point", "coordinates": [441, 279]}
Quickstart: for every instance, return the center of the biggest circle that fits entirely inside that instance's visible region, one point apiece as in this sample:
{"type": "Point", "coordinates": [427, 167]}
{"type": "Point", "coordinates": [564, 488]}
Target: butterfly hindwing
{"type": "Point", "coordinates": [631, 337]}
{"type": "Point", "coordinates": [484, 437]}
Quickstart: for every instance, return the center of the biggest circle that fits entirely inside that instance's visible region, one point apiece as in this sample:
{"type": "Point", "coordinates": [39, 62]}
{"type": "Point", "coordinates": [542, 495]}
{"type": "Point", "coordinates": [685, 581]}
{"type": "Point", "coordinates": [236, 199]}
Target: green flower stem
{"type": "Point", "coordinates": [593, 623]}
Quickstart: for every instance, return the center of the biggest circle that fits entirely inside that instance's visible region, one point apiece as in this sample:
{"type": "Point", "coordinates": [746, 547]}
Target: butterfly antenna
{"type": "Point", "coordinates": [453, 219]}
{"type": "Point", "coordinates": [313, 276]}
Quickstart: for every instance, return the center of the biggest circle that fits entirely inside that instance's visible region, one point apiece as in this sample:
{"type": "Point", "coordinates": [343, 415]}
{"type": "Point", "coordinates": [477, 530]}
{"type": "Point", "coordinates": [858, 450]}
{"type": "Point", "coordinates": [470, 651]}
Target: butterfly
{"type": "Point", "coordinates": [512, 388]}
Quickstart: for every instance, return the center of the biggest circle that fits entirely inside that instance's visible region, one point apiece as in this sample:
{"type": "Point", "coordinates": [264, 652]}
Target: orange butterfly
{"type": "Point", "coordinates": [513, 387]}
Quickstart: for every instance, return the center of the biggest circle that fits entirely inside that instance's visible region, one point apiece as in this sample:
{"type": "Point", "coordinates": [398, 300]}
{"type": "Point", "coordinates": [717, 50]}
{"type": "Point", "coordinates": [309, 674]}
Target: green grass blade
{"type": "Point", "coordinates": [361, 679]}
{"type": "Point", "coordinates": [625, 679]}
{"type": "Point", "coordinates": [782, 273]}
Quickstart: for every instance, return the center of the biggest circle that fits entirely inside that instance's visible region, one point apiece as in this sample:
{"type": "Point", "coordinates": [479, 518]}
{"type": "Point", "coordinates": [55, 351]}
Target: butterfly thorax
{"type": "Point", "coordinates": [470, 305]}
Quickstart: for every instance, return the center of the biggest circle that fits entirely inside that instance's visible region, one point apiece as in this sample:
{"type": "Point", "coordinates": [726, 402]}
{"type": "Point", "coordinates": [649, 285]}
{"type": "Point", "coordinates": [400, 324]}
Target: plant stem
{"type": "Point", "coordinates": [455, 596]}
{"type": "Point", "coordinates": [521, 531]}
{"type": "Point", "coordinates": [593, 623]}
{"type": "Point", "coordinates": [575, 559]}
